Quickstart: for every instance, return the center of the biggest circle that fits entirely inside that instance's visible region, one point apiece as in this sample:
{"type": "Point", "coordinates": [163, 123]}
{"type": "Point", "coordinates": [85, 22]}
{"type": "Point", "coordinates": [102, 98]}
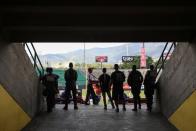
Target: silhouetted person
{"type": "Point", "coordinates": [149, 86]}
{"type": "Point", "coordinates": [90, 91]}
{"type": "Point", "coordinates": [117, 79]}
{"type": "Point", "coordinates": [135, 80]}
{"type": "Point", "coordinates": [50, 80]}
{"type": "Point", "coordinates": [70, 78]}
{"type": "Point", "coordinates": [104, 80]}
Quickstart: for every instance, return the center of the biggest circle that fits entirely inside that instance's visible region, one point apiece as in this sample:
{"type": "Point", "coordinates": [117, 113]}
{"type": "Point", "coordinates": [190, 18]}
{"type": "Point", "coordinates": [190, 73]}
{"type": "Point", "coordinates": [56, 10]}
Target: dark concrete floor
{"type": "Point", "coordinates": [94, 118]}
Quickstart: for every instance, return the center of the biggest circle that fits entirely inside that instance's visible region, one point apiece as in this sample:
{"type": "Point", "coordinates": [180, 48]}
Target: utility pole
{"type": "Point", "coordinates": [127, 49]}
{"type": "Point", "coordinates": [84, 56]}
{"type": "Point", "coordinates": [85, 67]}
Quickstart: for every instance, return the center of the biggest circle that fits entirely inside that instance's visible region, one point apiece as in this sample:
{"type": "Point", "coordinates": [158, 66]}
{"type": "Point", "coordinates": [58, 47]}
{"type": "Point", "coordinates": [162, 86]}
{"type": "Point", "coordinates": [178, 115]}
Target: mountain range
{"type": "Point", "coordinates": [114, 54]}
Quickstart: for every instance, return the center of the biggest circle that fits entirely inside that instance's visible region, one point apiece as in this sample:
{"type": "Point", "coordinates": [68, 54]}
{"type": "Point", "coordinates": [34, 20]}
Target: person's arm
{"type": "Point", "coordinates": [111, 80]}
{"type": "Point", "coordinates": [141, 77]}
{"type": "Point", "coordinates": [109, 83]}
{"type": "Point", "coordinates": [146, 77]}
{"type": "Point", "coordinates": [41, 79]}
{"type": "Point", "coordinates": [56, 84]}
{"type": "Point", "coordinates": [100, 79]}
{"type": "Point", "coordinates": [65, 74]}
{"type": "Point", "coordinates": [90, 79]}
{"type": "Point", "coordinates": [129, 79]}
{"type": "Point", "coordinates": [123, 76]}
{"type": "Point", "coordinates": [56, 77]}
{"type": "Point", "coordinates": [76, 76]}
{"type": "Point", "coordinates": [93, 79]}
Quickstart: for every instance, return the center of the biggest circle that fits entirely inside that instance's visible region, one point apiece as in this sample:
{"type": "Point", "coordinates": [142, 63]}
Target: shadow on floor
{"type": "Point", "coordinates": [94, 118]}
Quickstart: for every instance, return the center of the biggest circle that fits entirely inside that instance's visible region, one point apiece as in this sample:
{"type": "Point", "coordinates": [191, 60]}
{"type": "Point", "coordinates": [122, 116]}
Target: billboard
{"type": "Point", "coordinates": [127, 58]}
{"type": "Point", "coordinates": [101, 58]}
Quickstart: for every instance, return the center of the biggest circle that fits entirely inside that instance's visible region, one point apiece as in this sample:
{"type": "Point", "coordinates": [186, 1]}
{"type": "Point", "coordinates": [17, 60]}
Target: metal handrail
{"type": "Point", "coordinates": [163, 59]}
{"type": "Point", "coordinates": [35, 58]}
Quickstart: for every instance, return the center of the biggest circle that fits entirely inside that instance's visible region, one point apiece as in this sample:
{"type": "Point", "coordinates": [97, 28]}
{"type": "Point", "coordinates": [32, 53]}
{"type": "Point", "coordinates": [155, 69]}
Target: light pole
{"type": "Point", "coordinates": [127, 49]}
{"type": "Point", "coordinates": [84, 56]}
{"type": "Point", "coordinates": [85, 67]}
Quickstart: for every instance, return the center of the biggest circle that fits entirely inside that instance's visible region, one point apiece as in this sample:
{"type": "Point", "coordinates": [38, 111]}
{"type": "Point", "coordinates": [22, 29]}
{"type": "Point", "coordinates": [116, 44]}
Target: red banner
{"type": "Point", "coordinates": [143, 58]}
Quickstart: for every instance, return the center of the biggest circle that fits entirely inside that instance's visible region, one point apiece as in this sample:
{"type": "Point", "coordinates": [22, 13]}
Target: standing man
{"type": "Point", "coordinates": [117, 79]}
{"type": "Point", "coordinates": [149, 86]}
{"type": "Point", "coordinates": [104, 80]}
{"type": "Point", "coordinates": [50, 81]}
{"type": "Point", "coordinates": [70, 78]}
{"type": "Point", "coordinates": [135, 80]}
{"type": "Point", "coordinates": [90, 91]}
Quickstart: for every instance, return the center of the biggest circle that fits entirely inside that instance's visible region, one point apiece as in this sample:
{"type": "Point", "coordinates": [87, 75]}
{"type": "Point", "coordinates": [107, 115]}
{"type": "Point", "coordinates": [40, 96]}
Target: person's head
{"type": "Point", "coordinates": [104, 70]}
{"type": "Point", "coordinates": [151, 67]}
{"type": "Point", "coordinates": [90, 70]}
{"type": "Point", "coordinates": [49, 70]}
{"type": "Point", "coordinates": [116, 67]}
{"type": "Point", "coordinates": [70, 65]}
{"type": "Point", "coordinates": [134, 67]}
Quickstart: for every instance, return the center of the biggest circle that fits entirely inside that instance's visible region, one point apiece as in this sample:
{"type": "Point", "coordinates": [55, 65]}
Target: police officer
{"type": "Point", "coordinates": [104, 80]}
{"type": "Point", "coordinates": [70, 78]}
{"type": "Point", "coordinates": [149, 86]}
{"type": "Point", "coordinates": [90, 91]}
{"type": "Point", "coordinates": [135, 80]}
{"type": "Point", "coordinates": [50, 80]}
{"type": "Point", "coordinates": [117, 79]}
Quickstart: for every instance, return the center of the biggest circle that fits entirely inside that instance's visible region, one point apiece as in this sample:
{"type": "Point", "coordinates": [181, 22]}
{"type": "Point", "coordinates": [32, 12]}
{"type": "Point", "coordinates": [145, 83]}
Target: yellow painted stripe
{"type": "Point", "coordinates": [185, 117]}
{"type": "Point", "coordinates": [12, 116]}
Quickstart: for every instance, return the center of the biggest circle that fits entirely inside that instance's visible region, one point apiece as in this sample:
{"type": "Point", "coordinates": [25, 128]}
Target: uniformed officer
{"type": "Point", "coordinates": [104, 81]}
{"type": "Point", "coordinates": [117, 79]}
{"type": "Point", "coordinates": [135, 80]}
{"type": "Point", "coordinates": [149, 86]}
{"type": "Point", "coordinates": [50, 80]}
{"type": "Point", "coordinates": [90, 91]}
{"type": "Point", "coordinates": [70, 78]}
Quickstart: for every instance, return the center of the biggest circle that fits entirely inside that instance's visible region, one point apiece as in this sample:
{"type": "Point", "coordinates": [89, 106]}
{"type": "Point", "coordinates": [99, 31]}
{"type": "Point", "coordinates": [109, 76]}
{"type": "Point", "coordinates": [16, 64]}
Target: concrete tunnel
{"type": "Point", "coordinates": [97, 21]}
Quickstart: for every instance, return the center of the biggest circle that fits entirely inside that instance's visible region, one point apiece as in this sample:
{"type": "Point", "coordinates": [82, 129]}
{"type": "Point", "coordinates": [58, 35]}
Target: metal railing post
{"type": "Point", "coordinates": [35, 59]}
{"type": "Point", "coordinates": [162, 58]}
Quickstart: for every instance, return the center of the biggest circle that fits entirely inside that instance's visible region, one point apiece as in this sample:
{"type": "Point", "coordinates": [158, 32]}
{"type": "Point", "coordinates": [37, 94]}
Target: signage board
{"type": "Point", "coordinates": [127, 58]}
{"type": "Point", "coordinates": [101, 58]}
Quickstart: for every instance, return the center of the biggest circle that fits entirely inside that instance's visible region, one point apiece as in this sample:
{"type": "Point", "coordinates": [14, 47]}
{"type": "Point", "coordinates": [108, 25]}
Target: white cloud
{"type": "Point", "coordinates": [53, 48]}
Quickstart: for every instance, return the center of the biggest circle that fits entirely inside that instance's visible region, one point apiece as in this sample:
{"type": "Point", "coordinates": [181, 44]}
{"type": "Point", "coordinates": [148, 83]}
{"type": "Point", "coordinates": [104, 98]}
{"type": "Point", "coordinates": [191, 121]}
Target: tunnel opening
{"type": "Point", "coordinates": [180, 46]}
{"type": "Point", "coordinates": [98, 56]}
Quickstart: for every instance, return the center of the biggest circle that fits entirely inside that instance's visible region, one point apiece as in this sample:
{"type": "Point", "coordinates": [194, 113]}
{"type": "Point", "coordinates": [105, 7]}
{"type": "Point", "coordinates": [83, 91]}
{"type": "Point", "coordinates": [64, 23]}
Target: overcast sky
{"type": "Point", "coordinates": [53, 48]}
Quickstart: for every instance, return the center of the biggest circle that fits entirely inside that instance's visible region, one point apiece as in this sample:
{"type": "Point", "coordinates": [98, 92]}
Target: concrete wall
{"type": "Point", "coordinates": [178, 80]}
{"type": "Point", "coordinates": [18, 78]}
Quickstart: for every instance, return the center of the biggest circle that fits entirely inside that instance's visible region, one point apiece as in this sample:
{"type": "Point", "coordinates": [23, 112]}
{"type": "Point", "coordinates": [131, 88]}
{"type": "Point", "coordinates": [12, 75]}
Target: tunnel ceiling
{"type": "Point", "coordinates": [97, 20]}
